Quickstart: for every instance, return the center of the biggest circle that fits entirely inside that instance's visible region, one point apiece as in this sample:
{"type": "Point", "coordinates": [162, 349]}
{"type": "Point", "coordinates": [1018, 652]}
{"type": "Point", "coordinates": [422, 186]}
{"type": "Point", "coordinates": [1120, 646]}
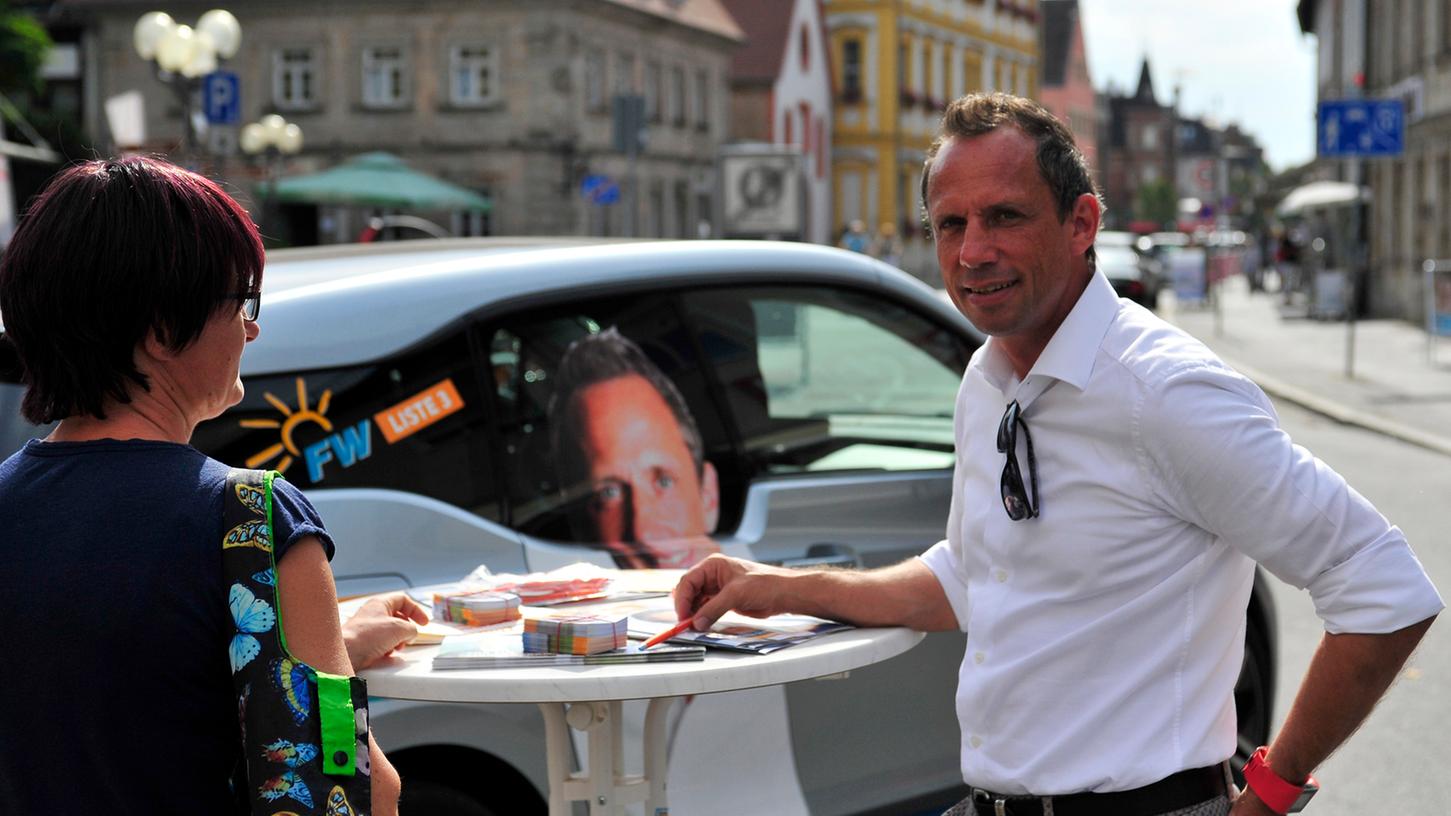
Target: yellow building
{"type": "Point", "coordinates": [896, 64]}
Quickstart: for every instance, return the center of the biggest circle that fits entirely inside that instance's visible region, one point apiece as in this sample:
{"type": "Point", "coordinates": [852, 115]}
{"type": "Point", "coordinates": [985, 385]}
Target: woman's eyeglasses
{"type": "Point", "coordinates": [251, 303]}
{"type": "Point", "coordinates": [1016, 499]}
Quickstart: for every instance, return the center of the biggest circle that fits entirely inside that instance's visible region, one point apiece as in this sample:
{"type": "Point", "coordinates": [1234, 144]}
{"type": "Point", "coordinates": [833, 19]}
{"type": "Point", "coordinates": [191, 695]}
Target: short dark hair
{"type": "Point", "coordinates": [1060, 163]}
{"type": "Point", "coordinates": [598, 358]}
{"type": "Point", "coordinates": [110, 251]}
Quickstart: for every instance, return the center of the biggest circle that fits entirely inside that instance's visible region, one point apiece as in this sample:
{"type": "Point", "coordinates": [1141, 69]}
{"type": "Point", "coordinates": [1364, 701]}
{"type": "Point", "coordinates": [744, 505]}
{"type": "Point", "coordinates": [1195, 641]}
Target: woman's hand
{"type": "Point", "coordinates": [382, 624]}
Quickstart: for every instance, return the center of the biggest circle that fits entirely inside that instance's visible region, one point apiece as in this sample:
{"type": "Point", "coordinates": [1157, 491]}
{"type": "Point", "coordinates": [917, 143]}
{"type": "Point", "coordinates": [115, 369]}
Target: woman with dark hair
{"type": "Point", "coordinates": [129, 291]}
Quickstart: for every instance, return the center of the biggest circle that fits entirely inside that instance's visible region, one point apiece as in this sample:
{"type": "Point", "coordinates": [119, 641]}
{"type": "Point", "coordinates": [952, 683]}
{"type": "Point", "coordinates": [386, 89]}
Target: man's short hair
{"type": "Point", "coordinates": [108, 252]}
{"type": "Point", "coordinates": [598, 358]}
{"type": "Point", "coordinates": [1060, 163]}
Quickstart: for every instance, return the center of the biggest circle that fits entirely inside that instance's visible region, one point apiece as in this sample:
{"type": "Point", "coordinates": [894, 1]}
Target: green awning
{"type": "Point", "coordinates": [379, 180]}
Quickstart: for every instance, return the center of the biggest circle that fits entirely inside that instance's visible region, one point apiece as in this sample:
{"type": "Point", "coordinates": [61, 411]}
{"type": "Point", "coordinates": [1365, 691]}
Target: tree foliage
{"type": "Point", "coordinates": [24, 44]}
{"type": "Point", "coordinates": [1156, 202]}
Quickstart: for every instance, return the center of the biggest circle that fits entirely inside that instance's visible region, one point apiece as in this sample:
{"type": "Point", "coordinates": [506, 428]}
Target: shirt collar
{"type": "Point", "coordinates": [1069, 355]}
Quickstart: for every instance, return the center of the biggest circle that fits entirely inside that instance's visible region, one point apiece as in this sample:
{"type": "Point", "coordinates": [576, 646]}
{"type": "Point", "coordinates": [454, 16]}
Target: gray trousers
{"type": "Point", "coordinates": [1218, 806]}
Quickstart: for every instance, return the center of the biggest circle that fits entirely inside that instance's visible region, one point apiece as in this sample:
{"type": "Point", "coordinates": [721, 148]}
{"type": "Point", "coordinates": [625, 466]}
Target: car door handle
{"type": "Point", "coordinates": [825, 555]}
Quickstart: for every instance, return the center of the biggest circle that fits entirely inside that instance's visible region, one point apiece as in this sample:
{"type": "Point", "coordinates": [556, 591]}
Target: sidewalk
{"type": "Point", "coordinates": [1395, 389]}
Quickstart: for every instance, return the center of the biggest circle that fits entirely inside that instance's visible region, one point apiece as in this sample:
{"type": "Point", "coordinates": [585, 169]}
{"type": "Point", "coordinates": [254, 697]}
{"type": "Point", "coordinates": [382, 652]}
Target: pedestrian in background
{"type": "Point", "coordinates": [856, 238]}
{"type": "Point", "coordinates": [129, 291]}
{"type": "Point", "coordinates": [1101, 568]}
{"type": "Point", "coordinates": [887, 247]}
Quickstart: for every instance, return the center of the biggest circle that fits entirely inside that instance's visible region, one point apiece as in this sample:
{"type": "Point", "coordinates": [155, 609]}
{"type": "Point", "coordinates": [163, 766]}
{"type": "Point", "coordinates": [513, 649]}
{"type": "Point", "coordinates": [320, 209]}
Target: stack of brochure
{"type": "Point", "coordinates": [476, 608]}
{"type": "Point", "coordinates": [575, 634]}
{"type": "Point", "coordinates": [492, 650]}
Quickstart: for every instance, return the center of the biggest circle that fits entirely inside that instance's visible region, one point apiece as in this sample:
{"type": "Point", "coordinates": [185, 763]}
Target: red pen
{"type": "Point", "coordinates": [656, 640]}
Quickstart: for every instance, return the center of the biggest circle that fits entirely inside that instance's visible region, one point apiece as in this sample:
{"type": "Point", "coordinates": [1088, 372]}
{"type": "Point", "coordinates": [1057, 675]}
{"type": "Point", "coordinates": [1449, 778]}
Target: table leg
{"type": "Point", "coordinates": [656, 756]}
{"type": "Point", "coordinates": [606, 757]}
{"type": "Point", "coordinates": [603, 783]}
{"type": "Point", "coordinates": [557, 756]}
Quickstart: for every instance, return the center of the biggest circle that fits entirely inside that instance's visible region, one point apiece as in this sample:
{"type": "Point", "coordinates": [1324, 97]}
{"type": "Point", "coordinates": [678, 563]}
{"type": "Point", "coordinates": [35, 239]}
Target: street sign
{"type": "Point", "coordinates": [598, 188]}
{"type": "Point", "coordinates": [222, 98]}
{"type": "Point", "coordinates": [1356, 128]}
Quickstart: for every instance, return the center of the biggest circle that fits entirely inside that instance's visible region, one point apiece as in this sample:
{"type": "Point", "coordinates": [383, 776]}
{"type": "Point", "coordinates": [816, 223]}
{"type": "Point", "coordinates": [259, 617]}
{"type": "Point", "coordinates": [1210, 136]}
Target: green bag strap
{"type": "Point", "coordinates": [339, 724]}
{"type": "Point", "coordinates": [267, 478]}
{"type": "Point", "coordinates": [334, 691]}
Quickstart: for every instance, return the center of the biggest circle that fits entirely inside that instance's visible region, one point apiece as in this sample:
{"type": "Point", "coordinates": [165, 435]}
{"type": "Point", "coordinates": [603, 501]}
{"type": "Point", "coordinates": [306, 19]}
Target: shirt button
{"type": "Point", "coordinates": [979, 658]}
{"type": "Point", "coordinates": [976, 741]}
{"type": "Point", "coordinates": [1002, 576]}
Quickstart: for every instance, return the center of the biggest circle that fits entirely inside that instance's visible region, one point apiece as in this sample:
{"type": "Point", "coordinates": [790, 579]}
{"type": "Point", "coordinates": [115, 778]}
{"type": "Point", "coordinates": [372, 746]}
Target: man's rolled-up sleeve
{"type": "Point", "coordinates": [1217, 456]}
{"type": "Point", "coordinates": [948, 570]}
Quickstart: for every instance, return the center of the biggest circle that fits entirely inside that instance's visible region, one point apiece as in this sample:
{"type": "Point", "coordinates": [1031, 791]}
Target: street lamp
{"type": "Point", "coordinates": [273, 138]}
{"type": "Point", "coordinates": [183, 55]}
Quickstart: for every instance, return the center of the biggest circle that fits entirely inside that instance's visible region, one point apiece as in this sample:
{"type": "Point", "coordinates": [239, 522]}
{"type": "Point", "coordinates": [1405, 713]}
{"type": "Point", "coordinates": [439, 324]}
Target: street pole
{"type": "Point", "coordinates": [1358, 258]}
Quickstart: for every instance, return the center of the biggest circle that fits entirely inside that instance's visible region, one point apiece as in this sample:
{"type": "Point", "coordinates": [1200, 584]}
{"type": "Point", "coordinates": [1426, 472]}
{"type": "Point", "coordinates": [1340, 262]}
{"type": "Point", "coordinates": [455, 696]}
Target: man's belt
{"type": "Point", "coordinates": [1171, 793]}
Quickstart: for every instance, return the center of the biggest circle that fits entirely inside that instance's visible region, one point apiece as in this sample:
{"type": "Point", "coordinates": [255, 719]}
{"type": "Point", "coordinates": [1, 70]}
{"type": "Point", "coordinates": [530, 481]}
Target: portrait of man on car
{"type": "Point", "coordinates": [629, 457]}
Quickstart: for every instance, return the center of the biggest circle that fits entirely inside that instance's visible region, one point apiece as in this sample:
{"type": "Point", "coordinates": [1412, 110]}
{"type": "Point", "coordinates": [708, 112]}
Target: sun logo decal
{"type": "Point", "coordinates": [287, 449]}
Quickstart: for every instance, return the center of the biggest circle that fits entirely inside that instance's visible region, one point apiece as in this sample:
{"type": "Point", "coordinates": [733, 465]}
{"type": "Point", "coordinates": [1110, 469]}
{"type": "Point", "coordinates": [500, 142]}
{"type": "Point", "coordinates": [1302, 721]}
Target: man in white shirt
{"type": "Point", "coordinates": [1115, 486]}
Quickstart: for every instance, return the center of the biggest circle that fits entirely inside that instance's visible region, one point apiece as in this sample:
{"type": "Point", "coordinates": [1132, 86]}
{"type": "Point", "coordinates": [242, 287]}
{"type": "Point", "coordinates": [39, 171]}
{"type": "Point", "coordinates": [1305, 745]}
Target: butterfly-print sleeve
{"type": "Point", "coordinates": [293, 518]}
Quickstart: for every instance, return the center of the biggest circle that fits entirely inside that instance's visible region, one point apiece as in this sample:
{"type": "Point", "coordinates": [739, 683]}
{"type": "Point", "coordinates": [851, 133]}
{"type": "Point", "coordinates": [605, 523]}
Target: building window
{"type": "Point", "coordinates": [294, 78]}
{"type": "Point", "coordinates": [805, 48]}
{"type": "Point", "coordinates": [702, 99]}
{"type": "Point", "coordinates": [1149, 138]}
{"type": "Point", "coordinates": [624, 74]}
{"type": "Point", "coordinates": [652, 91]}
{"type": "Point", "coordinates": [473, 72]}
{"type": "Point", "coordinates": [677, 96]}
{"type": "Point", "coordinates": [384, 72]}
{"type": "Point", "coordinates": [594, 79]}
{"type": "Point", "coordinates": [655, 225]}
{"type": "Point", "coordinates": [851, 70]}
{"type": "Point", "coordinates": [682, 209]}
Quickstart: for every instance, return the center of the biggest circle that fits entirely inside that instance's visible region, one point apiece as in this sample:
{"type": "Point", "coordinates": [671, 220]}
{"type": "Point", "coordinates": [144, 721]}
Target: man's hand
{"type": "Point", "coordinates": [719, 584]}
{"type": "Point", "coordinates": [906, 594]}
{"type": "Point", "coordinates": [381, 625]}
{"type": "Point", "coordinates": [1247, 804]}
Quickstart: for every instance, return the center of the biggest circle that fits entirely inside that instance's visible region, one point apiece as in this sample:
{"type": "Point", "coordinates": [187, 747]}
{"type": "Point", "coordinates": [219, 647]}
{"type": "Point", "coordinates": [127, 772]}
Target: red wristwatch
{"type": "Point", "coordinates": [1277, 794]}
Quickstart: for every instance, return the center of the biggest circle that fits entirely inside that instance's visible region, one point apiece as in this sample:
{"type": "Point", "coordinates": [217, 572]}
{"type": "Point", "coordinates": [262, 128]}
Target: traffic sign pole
{"type": "Point", "coordinates": [1358, 129]}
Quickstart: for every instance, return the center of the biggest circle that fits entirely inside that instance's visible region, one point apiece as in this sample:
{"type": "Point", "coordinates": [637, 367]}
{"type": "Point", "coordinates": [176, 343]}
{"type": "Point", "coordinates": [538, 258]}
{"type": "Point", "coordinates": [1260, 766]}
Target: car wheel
{"type": "Point", "coordinates": [424, 797]}
{"type": "Point", "coordinates": [1252, 695]}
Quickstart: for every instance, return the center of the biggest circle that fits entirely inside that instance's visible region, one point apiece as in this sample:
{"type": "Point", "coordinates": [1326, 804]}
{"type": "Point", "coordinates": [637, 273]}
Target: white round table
{"type": "Point", "coordinates": [587, 698]}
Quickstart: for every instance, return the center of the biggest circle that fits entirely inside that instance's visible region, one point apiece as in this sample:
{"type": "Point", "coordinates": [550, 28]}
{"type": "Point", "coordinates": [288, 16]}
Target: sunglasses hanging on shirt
{"type": "Point", "coordinates": [1017, 501]}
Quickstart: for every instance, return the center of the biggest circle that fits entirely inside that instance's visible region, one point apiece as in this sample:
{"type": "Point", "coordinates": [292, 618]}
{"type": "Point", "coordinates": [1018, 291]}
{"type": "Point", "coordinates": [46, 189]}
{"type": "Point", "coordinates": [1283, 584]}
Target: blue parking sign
{"type": "Point", "coordinates": [1353, 128]}
{"type": "Point", "coordinates": [599, 189]}
{"type": "Point", "coordinates": [222, 98]}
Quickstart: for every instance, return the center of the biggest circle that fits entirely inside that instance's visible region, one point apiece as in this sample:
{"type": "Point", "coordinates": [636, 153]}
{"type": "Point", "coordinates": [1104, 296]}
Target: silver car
{"type": "Point", "coordinates": [822, 384]}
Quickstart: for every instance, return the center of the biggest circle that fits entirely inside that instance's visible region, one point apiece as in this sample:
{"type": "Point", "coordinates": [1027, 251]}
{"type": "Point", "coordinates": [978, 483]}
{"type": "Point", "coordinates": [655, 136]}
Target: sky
{"type": "Point", "coordinates": [1237, 61]}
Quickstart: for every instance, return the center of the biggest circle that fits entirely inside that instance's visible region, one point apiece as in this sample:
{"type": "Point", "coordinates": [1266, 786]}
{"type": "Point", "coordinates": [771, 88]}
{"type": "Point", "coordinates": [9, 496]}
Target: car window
{"type": "Point", "coordinates": [598, 403]}
{"type": "Point", "coordinates": [415, 423]}
{"type": "Point", "coordinates": [821, 379]}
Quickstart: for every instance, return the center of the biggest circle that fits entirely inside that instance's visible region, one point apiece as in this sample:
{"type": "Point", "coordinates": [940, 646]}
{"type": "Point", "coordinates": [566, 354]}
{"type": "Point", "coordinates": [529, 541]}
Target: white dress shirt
{"type": "Point", "coordinates": [1104, 637]}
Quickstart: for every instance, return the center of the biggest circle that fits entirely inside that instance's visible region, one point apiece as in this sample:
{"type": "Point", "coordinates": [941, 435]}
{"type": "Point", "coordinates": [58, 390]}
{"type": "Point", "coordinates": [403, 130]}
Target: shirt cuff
{"type": "Point", "coordinates": [1380, 589]}
{"type": "Point", "coordinates": [944, 565]}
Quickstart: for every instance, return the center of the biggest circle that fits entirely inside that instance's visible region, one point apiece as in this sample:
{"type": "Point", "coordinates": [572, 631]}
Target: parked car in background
{"type": "Point", "coordinates": [822, 383]}
{"type": "Point", "coordinates": [1132, 275]}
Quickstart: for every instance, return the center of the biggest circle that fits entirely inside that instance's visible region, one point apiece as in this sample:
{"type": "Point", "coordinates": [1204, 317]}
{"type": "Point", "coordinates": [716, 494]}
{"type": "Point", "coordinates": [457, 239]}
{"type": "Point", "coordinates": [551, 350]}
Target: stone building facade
{"type": "Point", "coordinates": [512, 98]}
{"type": "Point", "coordinates": [1398, 49]}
